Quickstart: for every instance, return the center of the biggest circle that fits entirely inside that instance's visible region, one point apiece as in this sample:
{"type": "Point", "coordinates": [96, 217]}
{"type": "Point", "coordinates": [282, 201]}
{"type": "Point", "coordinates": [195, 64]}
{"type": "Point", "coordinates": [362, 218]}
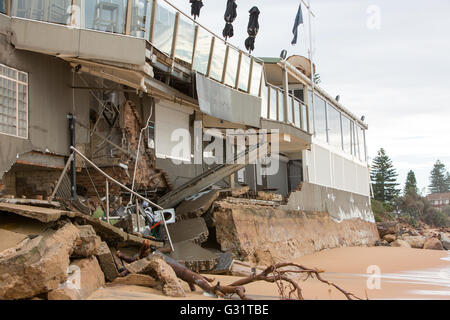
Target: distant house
{"type": "Point", "coordinates": [439, 200]}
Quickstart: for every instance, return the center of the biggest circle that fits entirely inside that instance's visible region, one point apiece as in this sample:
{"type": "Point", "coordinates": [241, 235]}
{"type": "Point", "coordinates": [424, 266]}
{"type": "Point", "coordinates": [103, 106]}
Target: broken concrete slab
{"type": "Point", "coordinates": [92, 277]}
{"type": "Point", "coordinates": [32, 202]}
{"type": "Point", "coordinates": [242, 269]}
{"type": "Point", "coordinates": [269, 196]}
{"type": "Point", "coordinates": [136, 280]}
{"type": "Point", "coordinates": [237, 192]}
{"type": "Point", "coordinates": [42, 214]}
{"type": "Point", "coordinates": [88, 244]}
{"type": "Point", "coordinates": [110, 233]}
{"type": "Point", "coordinates": [87, 277]}
{"type": "Point", "coordinates": [9, 239]}
{"type": "Point", "coordinates": [23, 225]}
{"type": "Point", "coordinates": [196, 206]}
{"type": "Point", "coordinates": [194, 230]}
{"type": "Point", "coordinates": [106, 231]}
{"type": "Point", "coordinates": [155, 265]}
{"type": "Point", "coordinates": [194, 257]}
{"type": "Point", "coordinates": [106, 261]}
{"type": "Point", "coordinates": [224, 264]}
{"type": "Point", "coordinates": [39, 265]}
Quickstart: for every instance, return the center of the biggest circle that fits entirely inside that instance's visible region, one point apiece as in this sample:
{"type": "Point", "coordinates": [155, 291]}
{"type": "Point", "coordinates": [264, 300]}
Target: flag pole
{"type": "Point", "coordinates": [311, 14]}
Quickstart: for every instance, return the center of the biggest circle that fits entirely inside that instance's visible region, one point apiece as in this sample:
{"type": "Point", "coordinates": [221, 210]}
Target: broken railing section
{"type": "Point", "coordinates": [161, 211]}
{"type": "Point", "coordinates": [212, 176]}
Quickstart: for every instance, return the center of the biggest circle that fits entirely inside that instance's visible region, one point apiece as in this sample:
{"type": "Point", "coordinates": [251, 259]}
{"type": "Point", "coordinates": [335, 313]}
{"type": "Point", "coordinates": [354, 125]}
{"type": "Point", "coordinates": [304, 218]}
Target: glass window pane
{"type": "Point", "coordinates": [202, 51]}
{"type": "Point", "coordinates": [244, 74]}
{"type": "Point", "coordinates": [164, 27]}
{"type": "Point", "coordinates": [289, 109]}
{"type": "Point", "coordinates": [354, 140]}
{"type": "Point", "coordinates": [320, 118]}
{"type": "Point", "coordinates": [56, 11]}
{"type": "Point", "coordinates": [346, 134]}
{"type": "Point", "coordinates": [141, 13]}
{"type": "Point", "coordinates": [334, 127]}
{"type": "Point", "coordinates": [361, 147]}
{"type": "Point", "coordinates": [311, 112]}
{"type": "Point", "coordinates": [256, 78]}
{"type": "Point", "coordinates": [185, 40]}
{"type": "Point", "coordinates": [265, 101]}
{"type": "Point", "coordinates": [304, 118]}
{"type": "Point", "coordinates": [105, 15]}
{"type": "Point", "coordinates": [13, 102]}
{"type": "Point", "coordinates": [3, 6]}
{"type": "Point", "coordinates": [218, 60]}
{"type": "Point", "coordinates": [281, 116]}
{"type": "Point", "coordinates": [232, 67]}
{"type": "Point", "coordinates": [273, 104]}
{"type": "Point", "coordinates": [297, 113]}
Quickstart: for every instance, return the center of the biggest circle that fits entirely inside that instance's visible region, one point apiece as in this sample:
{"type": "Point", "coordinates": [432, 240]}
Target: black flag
{"type": "Point", "coordinates": [297, 23]}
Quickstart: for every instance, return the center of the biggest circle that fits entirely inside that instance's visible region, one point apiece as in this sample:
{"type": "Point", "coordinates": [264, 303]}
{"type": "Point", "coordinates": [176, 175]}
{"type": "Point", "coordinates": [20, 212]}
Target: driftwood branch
{"type": "Point", "coordinates": [279, 274]}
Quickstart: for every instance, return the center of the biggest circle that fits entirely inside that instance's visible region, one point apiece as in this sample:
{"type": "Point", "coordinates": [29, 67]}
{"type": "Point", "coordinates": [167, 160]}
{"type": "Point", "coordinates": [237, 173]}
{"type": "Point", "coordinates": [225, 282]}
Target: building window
{"type": "Point", "coordinates": [334, 127]}
{"type": "Point", "coordinates": [13, 102]}
{"type": "Point", "coordinates": [56, 11]}
{"type": "Point", "coordinates": [320, 118]}
{"type": "Point", "coordinates": [3, 6]}
{"type": "Point", "coordinates": [347, 134]}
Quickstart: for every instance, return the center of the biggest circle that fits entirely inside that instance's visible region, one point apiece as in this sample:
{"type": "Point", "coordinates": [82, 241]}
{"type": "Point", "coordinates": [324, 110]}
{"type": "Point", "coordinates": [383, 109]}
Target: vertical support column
{"type": "Point", "coordinates": [250, 76]}
{"type": "Point", "coordinates": [232, 181]}
{"type": "Point", "coordinates": [307, 106]}
{"type": "Point", "coordinates": [73, 168]}
{"type": "Point", "coordinates": [107, 200]}
{"type": "Point", "coordinates": [286, 94]}
{"type": "Point", "coordinates": [238, 71]}
{"type": "Point", "coordinates": [8, 7]}
{"type": "Point", "coordinates": [128, 17]}
{"type": "Point", "coordinates": [152, 21]}
{"type": "Point", "coordinates": [225, 64]}
{"type": "Point", "coordinates": [175, 35]}
{"type": "Point", "coordinates": [194, 48]}
{"type": "Point", "coordinates": [211, 52]}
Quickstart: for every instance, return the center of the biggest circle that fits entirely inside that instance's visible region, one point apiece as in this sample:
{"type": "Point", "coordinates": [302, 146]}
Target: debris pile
{"type": "Point", "coordinates": [54, 254]}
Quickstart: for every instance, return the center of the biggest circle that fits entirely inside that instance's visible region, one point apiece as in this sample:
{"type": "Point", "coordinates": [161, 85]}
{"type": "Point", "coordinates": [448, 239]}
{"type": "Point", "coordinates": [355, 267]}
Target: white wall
{"type": "Point", "coordinates": [329, 169]}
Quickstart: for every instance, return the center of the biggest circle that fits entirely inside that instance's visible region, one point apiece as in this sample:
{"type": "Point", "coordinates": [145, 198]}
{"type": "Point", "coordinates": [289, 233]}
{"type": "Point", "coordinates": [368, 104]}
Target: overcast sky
{"type": "Point", "coordinates": [388, 60]}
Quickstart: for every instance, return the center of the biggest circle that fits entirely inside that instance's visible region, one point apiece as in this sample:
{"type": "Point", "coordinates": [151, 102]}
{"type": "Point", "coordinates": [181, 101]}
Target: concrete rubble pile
{"type": "Point", "coordinates": [50, 253]}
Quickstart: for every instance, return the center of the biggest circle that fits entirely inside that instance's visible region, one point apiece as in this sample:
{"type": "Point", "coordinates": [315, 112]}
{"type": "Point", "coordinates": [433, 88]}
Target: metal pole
{"type": "Point", "coordinates": [113, 180]}
{"type": "Point", "coordinates": [138, 217]}
{"type": "Point", "coordinates": [127, 189]}
{"type": "Point", "coordinates": [61, 177]}
{"type": "Point", "coordinates": [107, 200]}
{"type": "Point", "coordinates": [312, 64]}
{"type": "Point", "coordinates": [73, 168]}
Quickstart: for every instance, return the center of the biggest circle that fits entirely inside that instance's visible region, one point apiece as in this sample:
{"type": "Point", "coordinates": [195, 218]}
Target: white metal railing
{"type": "Point", "coordinates": [279, 106]}
{"type": "Point", "coordinates": [175, 34]}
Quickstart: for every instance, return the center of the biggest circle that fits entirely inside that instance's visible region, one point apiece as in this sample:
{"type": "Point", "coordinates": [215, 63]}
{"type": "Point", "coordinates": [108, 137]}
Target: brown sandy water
{"type": "Point", "coordinates": [404, 274]}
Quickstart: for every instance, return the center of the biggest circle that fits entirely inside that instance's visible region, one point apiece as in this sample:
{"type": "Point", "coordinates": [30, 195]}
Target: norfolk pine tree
{"type": "Point", "coordinates": [439, 179]}
{"type": "Point", "coordinates": [411, 184]}
{"type": "Point", "coordinates": [384, 178]}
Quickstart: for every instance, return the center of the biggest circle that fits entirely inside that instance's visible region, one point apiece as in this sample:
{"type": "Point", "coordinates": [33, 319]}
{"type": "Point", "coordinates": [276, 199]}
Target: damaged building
{"type": "Point", "coordinates": [124, 83]}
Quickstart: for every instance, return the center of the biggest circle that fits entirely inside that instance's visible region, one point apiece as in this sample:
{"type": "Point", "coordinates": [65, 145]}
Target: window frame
{"type": "Point", "coordinates": [27, 102]}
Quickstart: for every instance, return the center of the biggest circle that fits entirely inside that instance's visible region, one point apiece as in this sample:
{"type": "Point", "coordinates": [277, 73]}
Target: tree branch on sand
{"type": "Point", "coordinates": [281, 274]}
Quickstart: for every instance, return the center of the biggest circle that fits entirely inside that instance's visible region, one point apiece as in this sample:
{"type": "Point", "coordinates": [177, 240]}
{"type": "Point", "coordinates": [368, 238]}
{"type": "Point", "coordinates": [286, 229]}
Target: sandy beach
{"type": "Point", "coordinates": [405, 274]}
